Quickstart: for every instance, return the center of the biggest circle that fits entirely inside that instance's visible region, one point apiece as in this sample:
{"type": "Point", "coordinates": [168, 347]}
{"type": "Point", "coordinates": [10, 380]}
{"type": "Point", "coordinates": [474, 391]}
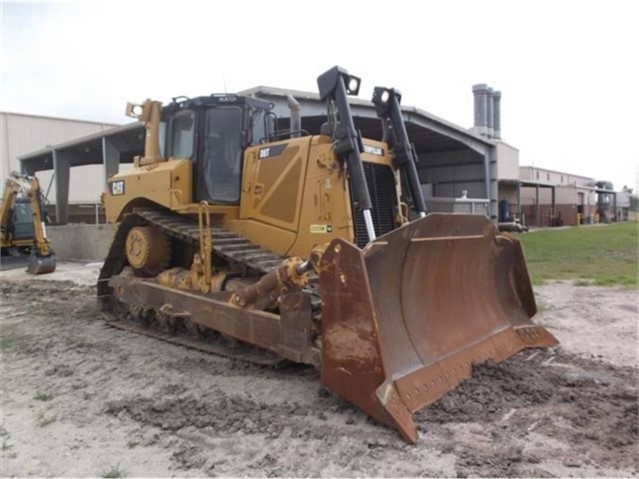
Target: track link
{"type": "Point", "coordinates": [226, 244]}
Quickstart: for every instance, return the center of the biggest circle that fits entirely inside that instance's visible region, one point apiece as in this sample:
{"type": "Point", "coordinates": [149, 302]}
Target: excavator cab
{"type": "Point", "coordinates": [21, 222]}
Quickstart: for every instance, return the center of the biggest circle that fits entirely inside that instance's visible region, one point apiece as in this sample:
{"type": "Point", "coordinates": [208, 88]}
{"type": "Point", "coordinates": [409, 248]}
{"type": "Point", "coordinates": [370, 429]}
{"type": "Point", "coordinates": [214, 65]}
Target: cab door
{"type": "Point", "coordinates": [219, 165]}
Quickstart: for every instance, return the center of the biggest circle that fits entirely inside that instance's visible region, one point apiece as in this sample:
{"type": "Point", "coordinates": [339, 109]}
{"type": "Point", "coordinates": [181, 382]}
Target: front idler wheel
{"type": "Point", "coordinates": [147, 251]}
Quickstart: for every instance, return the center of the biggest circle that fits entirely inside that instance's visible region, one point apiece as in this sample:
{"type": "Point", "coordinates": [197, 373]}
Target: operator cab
{"type": "Point", "coordinates": [213, 132]}
{"type": "Point", "coordinates": [20, 225]}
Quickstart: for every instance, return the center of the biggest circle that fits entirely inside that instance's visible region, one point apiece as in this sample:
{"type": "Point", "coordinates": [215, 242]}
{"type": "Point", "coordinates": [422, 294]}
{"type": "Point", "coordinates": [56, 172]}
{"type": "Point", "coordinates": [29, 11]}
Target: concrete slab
{"type": "Point", "coordinates": [84, 274]}
{"type": "Point", "coordinates": [81, 242]}
{"type": "Point", "coordinates": [14, 262]}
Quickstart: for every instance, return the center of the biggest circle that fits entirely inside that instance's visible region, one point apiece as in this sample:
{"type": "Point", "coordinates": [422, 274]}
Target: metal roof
{"type": "Point", "coordinates": [428, 132]}
{"type": "Point", "coordinates": [548, 170]}
{"type": "Point", "coordinates": [87, 150]}
{"type": "Point", "coordinates": [57, 118]}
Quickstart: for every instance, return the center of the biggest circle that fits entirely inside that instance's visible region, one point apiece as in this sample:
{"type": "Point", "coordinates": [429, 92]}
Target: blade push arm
{"type": "Point", "coordinates": [334, 86]}
{"type": "Point", "coordinates": [387, 102]}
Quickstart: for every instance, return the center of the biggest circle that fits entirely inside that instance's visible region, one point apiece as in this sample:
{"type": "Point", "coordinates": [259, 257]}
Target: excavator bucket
{"type": "Point", "coordinates": [405, 318]}
{"type": "Point", "coordinates": [41, 264]}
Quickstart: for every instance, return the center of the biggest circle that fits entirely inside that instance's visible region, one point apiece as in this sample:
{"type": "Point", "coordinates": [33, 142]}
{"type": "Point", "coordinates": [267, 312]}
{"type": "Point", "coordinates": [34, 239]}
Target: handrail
{"type": "Point", "coordinates": [206, 241]}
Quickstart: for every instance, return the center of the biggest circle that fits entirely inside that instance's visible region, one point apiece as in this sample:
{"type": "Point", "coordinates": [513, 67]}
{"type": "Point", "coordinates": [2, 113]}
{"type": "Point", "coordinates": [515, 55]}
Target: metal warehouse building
{"type": "Point", "coordinates": [22, 134]}
{"type": "Point", "coordinates": [569, 198]}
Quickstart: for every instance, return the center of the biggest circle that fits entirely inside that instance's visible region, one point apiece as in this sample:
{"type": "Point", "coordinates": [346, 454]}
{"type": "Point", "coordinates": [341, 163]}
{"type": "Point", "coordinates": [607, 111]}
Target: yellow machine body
{"type": "Point", "coordinates": [289, 203]}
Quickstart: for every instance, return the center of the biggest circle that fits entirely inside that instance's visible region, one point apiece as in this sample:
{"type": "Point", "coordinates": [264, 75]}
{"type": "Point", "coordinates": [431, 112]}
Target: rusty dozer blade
{"type": "Point", "coordinates": [41, 264]}
{"type": "Point", "coordinates": [405, 318]}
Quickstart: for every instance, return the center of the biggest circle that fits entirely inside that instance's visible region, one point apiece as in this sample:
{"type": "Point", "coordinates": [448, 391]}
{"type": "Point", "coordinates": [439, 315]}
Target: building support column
{"type": "Point", "coordinates": [110, 159]}
{"type": "Point", "coordinates": [490, 183]}
{"type": "Point", "coordinates": [552, 205]}
{"type": "Point", "coordinates": [494, 186]}
{"type": "Point", "coordinates": [537, 206]}
{"type": "Point", "coordinates": [519, 201]}
{"type": "Point", "coordinates": [62, 173]}
{"type": "Point", "coordinates": [487, 177]}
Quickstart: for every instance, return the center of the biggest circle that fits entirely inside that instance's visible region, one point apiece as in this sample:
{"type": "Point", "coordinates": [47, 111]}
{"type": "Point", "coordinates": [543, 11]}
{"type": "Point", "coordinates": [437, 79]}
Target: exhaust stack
{"type": "Point", "coordinates": [497, 114]}
{"type": "Point", "coordinates": [296, 116]}
{"type": "Point", "coordinates": [490, 113]}
{"type": "Point", "coordinates": [487, 111]}
{"type": "Point", "coordinates": [480, 92]}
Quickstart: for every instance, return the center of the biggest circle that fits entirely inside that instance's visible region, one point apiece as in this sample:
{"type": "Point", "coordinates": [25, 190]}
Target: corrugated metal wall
{"type": "Point", "coordinates": [85, 184]}
{"type": "Point", "coordinates": [22, 134]}
{"type": "Point", "coordinates": [451, 172]}
{"type": "Point", "coordinates": [553, 177]}
{"type": "Point", "coordinates": [507, 162]}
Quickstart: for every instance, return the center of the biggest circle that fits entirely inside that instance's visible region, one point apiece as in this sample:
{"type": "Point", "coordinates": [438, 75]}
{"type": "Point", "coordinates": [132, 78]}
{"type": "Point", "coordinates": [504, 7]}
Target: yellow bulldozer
{"type": "Point", "coordinates": [304, 248]}
{"type": "Point", "coordinates": [22, 224]}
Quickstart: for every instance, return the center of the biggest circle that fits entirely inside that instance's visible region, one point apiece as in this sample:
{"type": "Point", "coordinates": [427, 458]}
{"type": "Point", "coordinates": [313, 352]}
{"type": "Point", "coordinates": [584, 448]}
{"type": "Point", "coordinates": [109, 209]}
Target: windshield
{"type": "Point", "coordinates": [22, 212]}
{"type": "Point", "coordinates": [22, 225]}
{"type": "Point", "coordinates": [221, 168]}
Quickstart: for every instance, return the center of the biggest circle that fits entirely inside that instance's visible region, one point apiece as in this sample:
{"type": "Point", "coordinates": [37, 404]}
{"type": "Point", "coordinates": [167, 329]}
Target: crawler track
{"type": "Point", "coordinates": [239, 253]}
{"type": "Point", "coordinates": [213, 344]}
{"type": "Point", "coordinates": [226, 245]}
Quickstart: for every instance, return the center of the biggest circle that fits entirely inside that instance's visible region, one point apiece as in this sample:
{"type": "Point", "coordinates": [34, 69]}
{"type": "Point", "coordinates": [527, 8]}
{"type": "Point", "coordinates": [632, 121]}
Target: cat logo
{"type": "Point", "coordinates": [271, 151]}
{"type": "Point", "coordinates": [117, 188]}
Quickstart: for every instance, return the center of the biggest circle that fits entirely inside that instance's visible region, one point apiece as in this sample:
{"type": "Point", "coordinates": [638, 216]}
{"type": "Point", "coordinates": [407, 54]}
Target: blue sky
{"type": "Point", "coordinates": [568, 70]}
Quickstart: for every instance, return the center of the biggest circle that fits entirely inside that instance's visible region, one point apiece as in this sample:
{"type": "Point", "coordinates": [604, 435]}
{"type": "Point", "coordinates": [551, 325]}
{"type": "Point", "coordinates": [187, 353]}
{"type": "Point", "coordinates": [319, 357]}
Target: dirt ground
{"type": "Point", "coordinates": [80, 398]}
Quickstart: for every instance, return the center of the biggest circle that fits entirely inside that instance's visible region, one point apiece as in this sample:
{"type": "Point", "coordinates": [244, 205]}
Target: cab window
{"type": "Point", "coordinates": [182, 135]}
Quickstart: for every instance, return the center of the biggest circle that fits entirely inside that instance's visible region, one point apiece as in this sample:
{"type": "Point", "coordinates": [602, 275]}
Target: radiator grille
{"type": "Point", "coordinates": [381, 187]}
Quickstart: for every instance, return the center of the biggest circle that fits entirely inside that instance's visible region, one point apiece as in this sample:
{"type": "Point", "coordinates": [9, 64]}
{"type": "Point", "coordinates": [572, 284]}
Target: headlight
{"type": "Point", "coordinates": [352, 84]}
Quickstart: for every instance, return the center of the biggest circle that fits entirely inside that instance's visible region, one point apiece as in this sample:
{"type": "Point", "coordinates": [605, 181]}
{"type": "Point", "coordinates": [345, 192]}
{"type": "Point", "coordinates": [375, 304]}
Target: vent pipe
{"type": "Point", "coordinates": [296, 116]}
